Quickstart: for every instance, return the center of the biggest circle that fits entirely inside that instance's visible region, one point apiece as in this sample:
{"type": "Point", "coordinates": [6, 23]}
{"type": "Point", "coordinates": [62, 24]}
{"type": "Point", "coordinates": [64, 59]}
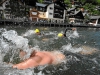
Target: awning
{"type": "Point", "coordinates": [41, 5]}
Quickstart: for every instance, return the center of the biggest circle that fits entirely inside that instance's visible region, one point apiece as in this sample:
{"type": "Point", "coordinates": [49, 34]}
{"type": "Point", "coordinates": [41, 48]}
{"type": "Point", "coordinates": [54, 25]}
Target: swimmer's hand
{"type": "Point", "coordinates": [14, 66]}
{"type": "Point", "coordinates": [18, 67]}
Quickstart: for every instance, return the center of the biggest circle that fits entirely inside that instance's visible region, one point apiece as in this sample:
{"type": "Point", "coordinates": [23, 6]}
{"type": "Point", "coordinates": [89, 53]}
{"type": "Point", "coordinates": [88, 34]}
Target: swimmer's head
{"type": "Point", "coordinates": [60, 35]}
{"type": "Point", "coordinates": [73, 29]}
{"type": "Point", "coordinates": [37, 31]}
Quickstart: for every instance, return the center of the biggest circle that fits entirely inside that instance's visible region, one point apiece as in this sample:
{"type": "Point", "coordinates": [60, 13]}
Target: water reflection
{"type": "Point", "coordinates": [80, 47]}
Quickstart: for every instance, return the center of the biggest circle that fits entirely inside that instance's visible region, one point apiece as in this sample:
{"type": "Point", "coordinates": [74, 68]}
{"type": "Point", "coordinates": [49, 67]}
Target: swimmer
{"type": "Point", "coordinates": [86, 50]}
{"type": "Point", "coordinates": [37, 31]}
{"type": "Point", "coordinates": [32, 32]}
{"type": "Point", "coordinates": [64, 34]}
{"type": "Point", "coordinates": [38, 58]}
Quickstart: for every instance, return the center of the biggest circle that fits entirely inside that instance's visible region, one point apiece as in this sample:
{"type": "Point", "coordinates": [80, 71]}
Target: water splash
{"type": "Point", "coordinates": [12, 42]}
{"type": "Point", "coordinates": [84, 50]}
{"type": "Point", "coordinates": [72, 34]}
{"type": "Point", "coordinates": [28, 33]}
{"type": "Point", "coordinates": [12, 37]}
{"type": "Point", "coordinates": [13, 45]}
{"type": "Point", "coordinates": [69, 47]}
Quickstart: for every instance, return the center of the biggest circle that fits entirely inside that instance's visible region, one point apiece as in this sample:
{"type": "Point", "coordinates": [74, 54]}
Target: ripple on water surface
{"type": "Point", "coordinates": [81, 52]}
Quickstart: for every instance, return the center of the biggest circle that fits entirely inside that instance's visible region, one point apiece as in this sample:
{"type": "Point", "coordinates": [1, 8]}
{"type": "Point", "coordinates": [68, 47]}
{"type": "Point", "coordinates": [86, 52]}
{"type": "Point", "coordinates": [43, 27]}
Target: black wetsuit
{"type": "Point", "coordinates": [66, 31]}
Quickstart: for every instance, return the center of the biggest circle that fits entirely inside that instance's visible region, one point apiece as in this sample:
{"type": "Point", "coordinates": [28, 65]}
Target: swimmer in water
{"type": "Point", "coordinates": [32, 32]}
{"type": "Point", "coordinates": [64, 34]}
{"type": "Point", "coordinates": [38, 58]}
{"type": "Point", "coordinates": [37, 31]}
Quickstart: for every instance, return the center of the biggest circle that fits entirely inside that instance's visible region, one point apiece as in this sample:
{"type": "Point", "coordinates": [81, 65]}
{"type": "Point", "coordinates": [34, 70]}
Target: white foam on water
{"type": "Point", "coordinates": [29, 33]}
{"type": "Point", "coordinates": [72, 34]}
{"type": "Point", "coordinates": [15, 39]}
{"type": "Point", "coordinates": [69, 48]}
{"type": "Point", "coordinates": [30, 71]}
{"type": "Point", "coordinates": [10, 40]}
{"type": "Point", "coordinates": [50, 33]}
{"type": "Point", "coordinates": [1, 57]}
{"type": "Point", "coordinates": [19, 72]}
{"type": "Point", "coordinates": [84, 50]}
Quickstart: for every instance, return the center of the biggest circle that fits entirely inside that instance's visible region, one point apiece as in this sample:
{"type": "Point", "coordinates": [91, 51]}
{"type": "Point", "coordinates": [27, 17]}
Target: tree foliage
{"type": "Point", "coordinates": [67, 1]}
{"type": "Point", "coordinates": [89, 5]}
{"type": "Point", "coordinates": [94, 2]}
{"type": "Point", "coordinates": [98, 1]}
{"type": "Point", "coordinates": [40, 1]}
{"type": "Point", "coordinates": [91, 8]}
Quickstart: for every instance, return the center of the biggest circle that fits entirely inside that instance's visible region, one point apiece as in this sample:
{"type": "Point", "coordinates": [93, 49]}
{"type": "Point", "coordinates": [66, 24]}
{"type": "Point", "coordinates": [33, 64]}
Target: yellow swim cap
{"type": "Point", "coordinates": [60, 35]}
{"type": "Point", "coordinates": [37, 30]}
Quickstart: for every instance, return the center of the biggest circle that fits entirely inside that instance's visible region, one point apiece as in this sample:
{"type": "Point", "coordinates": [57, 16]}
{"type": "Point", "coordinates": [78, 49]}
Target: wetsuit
{"type": "Point", "coordinates": [66, 31]}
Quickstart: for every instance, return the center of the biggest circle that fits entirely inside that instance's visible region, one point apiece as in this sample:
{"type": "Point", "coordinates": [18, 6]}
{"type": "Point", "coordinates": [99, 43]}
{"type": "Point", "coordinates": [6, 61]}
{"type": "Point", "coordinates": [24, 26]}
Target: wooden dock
{"type": "Point", "coordinates": [43, 24]}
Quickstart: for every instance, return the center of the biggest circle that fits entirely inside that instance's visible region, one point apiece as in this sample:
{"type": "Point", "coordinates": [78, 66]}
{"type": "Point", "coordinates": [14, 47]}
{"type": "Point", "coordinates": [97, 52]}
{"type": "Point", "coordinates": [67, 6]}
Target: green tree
{"type": "Point", "coordinates": [67, 1]}
{"type": "Point", "coordinates": [95, 2]}
{"type": "Point", "coordinates": [91, 8]}
{"type": "Point", "coordinates": [40, 1]}
{"type": "Point", "coordinates": [98, 1]}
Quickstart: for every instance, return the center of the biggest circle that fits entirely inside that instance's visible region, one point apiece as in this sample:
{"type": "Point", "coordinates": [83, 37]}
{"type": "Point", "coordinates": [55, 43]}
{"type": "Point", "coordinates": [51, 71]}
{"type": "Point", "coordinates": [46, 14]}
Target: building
{"type": "Point", "coordinates": [1, 11]}
{"type": "Point", "coordinates": [76, 3]}
{"type": "Point", "coordinates": [52, 12]}
{"type": "Point", "coordinates": [94, 20]}
{"type": "Point", "coordinates": [12, 10]}
{"type": "Point", "coordinates": [76, 17]}
{"type": "Point", "coordinates": [4, 10]}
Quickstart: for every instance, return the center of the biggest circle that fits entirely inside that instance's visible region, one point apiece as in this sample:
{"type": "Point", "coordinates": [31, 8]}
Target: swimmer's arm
{"type": "Point", "coordinates": [66, 31]}
{"type": "Point", "coordinates": [29, 63]}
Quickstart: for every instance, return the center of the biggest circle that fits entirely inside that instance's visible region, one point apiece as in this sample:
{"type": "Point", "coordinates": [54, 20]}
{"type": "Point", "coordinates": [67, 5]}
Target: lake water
{"type": "Point", "coordinates": [81, 47]}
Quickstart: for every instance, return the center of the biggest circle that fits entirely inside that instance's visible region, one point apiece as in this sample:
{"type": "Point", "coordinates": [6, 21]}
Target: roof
{"type": "Point", "coordinates": [94, 17]}
{"type": "Point", "coordinates": [41, 5]}
{"type": "Point", "coordinates": [71, 9]}
{"type": "Point", "coordinates": [77, 14]}
{"type": "Point", "coordinates": [47, 2]}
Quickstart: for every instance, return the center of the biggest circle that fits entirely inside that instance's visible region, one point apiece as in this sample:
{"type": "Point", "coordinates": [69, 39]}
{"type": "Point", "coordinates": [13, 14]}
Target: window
{"type": "Point", "coordinates": [56, 9]}
{"type": "Point", "coordinates": [56, 4]}
{"type": "Point", "coordinates": [51, 8]}
{"type": "Point", "coordinates": [99, 21]}
{"type": "Point", "coordinates": [50, 13]}
{"type": "Point", "coordinates": [41, 9]}
{"type": "Point", "coordinates": [34, 13]}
